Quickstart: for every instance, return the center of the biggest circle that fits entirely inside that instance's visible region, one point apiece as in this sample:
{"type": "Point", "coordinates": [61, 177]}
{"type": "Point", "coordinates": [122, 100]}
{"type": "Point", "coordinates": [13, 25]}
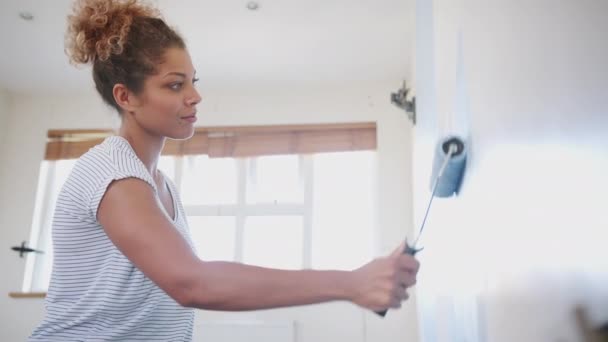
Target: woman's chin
{"type": "Point", "coordinates": [182, 134]}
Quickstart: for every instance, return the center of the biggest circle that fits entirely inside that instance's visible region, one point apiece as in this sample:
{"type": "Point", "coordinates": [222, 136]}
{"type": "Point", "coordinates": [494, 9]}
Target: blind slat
{"type": "Point", "coordinates": [240, 141]}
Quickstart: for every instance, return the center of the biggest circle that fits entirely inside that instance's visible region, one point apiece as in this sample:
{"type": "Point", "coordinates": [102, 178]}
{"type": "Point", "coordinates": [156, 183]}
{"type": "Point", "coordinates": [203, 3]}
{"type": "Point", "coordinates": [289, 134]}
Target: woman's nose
{"type": "Point", "coordinates": [194, 98]}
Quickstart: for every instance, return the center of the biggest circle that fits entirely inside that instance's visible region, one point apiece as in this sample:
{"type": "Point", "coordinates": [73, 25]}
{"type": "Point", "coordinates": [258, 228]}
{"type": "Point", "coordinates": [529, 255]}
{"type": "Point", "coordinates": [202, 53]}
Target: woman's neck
{"type": "Point", "coordinates": [147, 147]}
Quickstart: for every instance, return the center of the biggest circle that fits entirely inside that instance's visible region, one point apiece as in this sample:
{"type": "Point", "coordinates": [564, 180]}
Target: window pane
{"type": "Point", "coordinates": [273, 241]}
{"type": "Point", "coordinates": [342, 235]}
{"type": "Point", "coordinates": [274, 179]}
{"type": "Point", "coordinates": [213, 236]}
{"type": "Point", "coordinates": [209, 181]}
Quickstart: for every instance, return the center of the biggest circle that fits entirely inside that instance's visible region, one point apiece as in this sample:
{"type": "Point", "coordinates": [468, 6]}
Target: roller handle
{"type": "Point", "coordinates": [410, 251]}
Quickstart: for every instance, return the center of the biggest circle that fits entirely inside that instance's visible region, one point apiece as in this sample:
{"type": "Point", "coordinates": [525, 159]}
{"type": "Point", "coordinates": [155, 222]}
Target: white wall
{"type": "Point", "coordinates": [31, 117]}
{"type": "Point", "coordinates": [526, 239]}
{"type": "Point", "coordinates": [4, 108]}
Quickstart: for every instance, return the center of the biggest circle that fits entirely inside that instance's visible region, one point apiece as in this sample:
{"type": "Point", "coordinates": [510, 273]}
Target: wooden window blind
{"type": "Point", "coordinates": [233, 141]}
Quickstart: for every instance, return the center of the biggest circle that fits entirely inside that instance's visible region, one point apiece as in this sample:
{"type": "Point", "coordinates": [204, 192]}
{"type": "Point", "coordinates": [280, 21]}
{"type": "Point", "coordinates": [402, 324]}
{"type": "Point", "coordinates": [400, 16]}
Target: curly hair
{"type": "Point", "coordinates": [124, 40]}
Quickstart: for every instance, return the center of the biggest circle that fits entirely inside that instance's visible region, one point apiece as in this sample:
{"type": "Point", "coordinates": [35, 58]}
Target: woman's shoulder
{"type": "Point", "coordinates": [112, 159]}
{"type": "Point", "coordinates": [97, 159]}
{"type": "Point", "coordinates": [112, 155]}
{"type": "Point", "coordinates": [99, 163]}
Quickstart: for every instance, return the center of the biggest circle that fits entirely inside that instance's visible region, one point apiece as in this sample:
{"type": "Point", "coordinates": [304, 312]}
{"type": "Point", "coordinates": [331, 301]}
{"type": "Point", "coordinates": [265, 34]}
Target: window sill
{"type": "Point", "coordinates": [27, 294]}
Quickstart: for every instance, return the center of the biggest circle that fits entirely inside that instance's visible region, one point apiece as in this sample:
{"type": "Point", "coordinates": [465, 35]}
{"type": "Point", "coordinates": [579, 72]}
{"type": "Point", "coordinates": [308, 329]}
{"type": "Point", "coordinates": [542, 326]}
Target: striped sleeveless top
{"type": "Point", "coordinates": [96, 293]}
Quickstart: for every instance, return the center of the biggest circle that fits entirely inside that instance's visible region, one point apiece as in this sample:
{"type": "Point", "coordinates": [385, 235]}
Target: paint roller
{"type": "Point", "coordinates": [448, 169]}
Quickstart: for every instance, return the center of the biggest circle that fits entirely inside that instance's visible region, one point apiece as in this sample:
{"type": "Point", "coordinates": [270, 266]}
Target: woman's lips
{"type": "Point", "coordinates": [189, 118]}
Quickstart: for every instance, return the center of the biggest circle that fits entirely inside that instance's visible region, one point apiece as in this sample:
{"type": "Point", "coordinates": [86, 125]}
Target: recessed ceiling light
{"type": "Point", "coordinates": [25, 15]}
{"type": "Point", "coordinates": [252, 5]}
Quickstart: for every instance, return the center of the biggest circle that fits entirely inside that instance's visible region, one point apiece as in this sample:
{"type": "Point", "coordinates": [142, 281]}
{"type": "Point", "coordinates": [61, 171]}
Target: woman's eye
{"type": "Point", "coordinates": [194, 80]}
{"type": "Point", "coordinates": [175, 86]}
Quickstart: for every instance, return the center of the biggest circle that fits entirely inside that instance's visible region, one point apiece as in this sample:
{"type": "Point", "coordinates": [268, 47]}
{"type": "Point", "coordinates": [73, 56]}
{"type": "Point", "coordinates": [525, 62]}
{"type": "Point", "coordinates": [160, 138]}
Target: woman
{"type": "Point", "coordinates": [124, 267]}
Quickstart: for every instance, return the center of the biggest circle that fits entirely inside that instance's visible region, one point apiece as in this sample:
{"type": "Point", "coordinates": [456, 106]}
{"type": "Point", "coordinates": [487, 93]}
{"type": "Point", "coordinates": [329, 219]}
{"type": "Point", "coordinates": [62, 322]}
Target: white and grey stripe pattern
{"type": "Point", "coordinates": [96, 293]}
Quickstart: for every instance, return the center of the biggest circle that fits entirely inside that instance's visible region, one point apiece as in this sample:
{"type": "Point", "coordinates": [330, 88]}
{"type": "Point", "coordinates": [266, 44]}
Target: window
{"type": "Point", "coordinates": [38, 266]}
{"type": "Point", "coordinates": [289, 211]}
{"type": "Point", "coordinates": [283, 211]}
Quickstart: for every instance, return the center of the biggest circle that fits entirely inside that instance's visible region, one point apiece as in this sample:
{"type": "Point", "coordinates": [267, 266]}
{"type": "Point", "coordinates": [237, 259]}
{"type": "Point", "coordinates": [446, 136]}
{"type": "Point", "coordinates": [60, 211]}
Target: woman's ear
{"type": "Point", "coordinates": [125, 98]}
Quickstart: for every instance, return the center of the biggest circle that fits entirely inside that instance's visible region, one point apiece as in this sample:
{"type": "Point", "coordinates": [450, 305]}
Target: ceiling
{"type": "Point", "coordinates": [284, 42]}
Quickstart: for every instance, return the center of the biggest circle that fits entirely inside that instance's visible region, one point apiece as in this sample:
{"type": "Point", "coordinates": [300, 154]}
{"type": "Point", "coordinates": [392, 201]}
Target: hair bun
{"type": "Point", "coordinates": [99, 28]}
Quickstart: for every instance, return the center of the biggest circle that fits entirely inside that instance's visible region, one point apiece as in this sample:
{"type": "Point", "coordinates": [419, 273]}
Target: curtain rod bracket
{"type": "Point", "coordinates": [399, 99]}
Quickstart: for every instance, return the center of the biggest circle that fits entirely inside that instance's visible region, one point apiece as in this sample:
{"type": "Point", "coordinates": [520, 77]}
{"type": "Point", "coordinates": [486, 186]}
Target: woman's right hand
{"type": "Point", "coordinates": [382, 283]}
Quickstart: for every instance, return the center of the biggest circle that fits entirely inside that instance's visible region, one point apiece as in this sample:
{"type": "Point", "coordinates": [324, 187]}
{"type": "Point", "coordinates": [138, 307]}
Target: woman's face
{"type": "Point", "coordinates": [167, 103]}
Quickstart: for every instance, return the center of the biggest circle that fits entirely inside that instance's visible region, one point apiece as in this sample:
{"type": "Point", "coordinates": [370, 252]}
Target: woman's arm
{"type": "Point", "coordinates": [234, 287]}
{"type": "Point", "coordinates": [135, 222]}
